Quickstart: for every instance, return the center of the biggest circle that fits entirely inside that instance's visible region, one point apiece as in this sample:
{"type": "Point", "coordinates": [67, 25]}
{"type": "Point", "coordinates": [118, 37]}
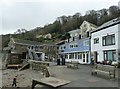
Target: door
{"type": "Point", "coordinates": [96, 57]}
{"type": "Point", "coordinates": [83, 57]}
{"type": "Point", "coordinates": [87, 57]}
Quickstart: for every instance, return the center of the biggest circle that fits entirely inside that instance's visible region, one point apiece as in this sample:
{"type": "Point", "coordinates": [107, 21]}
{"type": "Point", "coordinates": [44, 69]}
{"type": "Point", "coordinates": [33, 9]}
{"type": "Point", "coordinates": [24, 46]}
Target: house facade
{"type": "Point", "coordinates": [27, 49]}
{"type": "Point", "coordinates": [105, 44]}
{"type": "Point", "coordinates": [33, 50]}
{"type": "Point", "coordinates": [77, 47]}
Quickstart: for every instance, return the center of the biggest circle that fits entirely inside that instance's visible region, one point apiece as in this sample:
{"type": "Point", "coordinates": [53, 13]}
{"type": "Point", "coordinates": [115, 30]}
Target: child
{"type": "Point", "coordinates": [14, 82]}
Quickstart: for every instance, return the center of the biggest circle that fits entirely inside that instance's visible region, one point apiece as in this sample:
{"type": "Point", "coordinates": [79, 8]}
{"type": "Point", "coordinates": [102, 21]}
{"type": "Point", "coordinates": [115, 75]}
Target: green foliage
{"type": "Point", "coordinates": [59, 28]}
{"type": "Point", "coordinates": [5, 40]}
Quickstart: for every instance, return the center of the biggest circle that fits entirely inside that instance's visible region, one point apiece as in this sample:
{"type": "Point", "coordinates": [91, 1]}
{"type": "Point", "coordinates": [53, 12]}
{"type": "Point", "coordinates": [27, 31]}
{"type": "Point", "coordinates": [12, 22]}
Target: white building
{"type": "Point", "coordinates": [105, 42]}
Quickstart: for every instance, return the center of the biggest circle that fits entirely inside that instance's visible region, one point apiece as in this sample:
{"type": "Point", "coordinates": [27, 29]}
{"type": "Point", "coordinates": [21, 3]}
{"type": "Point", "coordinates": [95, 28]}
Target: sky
{"type": "Point", "coordinates": [29, 14]}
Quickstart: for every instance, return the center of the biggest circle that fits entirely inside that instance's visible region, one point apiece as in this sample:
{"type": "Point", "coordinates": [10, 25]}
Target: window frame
{"type": "Point", "coordinates": [105, 40]}
{"type": "Point", "coordinates": [96, 40]}
{"type": "Point", "coordinates": [105, 55]}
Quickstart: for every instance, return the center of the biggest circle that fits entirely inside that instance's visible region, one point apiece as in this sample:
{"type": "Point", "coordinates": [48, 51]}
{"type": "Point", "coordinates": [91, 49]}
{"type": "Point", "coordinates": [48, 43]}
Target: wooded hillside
{"type": "Point", "coordinates": [59, 28]}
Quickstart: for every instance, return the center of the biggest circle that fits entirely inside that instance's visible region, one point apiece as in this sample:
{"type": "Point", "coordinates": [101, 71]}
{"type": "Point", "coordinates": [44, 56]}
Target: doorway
{"type": "Point", "coordinates": [83, 57]}
{"type": "Point", "coordinates": [96, 57]}
{"type": "Point", "coordinates": [87, 57]}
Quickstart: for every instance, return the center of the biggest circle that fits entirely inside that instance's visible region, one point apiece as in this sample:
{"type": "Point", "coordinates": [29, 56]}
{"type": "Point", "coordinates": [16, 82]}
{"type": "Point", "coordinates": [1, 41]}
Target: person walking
{"type": "Point", "coordinates": [14, 82]}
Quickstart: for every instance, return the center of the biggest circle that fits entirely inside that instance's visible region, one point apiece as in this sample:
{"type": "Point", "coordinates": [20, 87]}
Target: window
{"type": "Point", "coordinates": [79, 55]}
{"type": "Point", "coordinates": [75, 55]}
{"type": "Point", "coordinates": [71, 55]}
{"type": "Point", "coordinates": [66, 56]}
{"type": "Point", "coordinates": [96, 40]}
{"type": "Point", "coordinates": [109, 55]}
{"type": "Point", "coordinates": [75, 45]}
{"type": "Point", "coordinates": [71, 46]}
{"type": "Point", "coordinates": [108, 40]}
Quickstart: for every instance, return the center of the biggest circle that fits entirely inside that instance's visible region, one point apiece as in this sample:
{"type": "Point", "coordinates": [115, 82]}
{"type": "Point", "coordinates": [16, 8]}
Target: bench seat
{"type": "Point", "coordinates": [107, 69]}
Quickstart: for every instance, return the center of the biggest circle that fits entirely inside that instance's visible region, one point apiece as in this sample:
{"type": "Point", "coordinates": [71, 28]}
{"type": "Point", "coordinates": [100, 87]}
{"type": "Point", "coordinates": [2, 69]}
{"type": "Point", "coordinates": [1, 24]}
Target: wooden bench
{"type": "Point", "coordinates": [73, 64]}
{"type": "Point", "coordinates": [107, 69]}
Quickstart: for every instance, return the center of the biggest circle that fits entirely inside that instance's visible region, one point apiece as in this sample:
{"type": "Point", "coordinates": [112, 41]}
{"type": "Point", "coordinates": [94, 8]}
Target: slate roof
{"type": "Point", "coordinates": [93, 25]}
{"type": "Point", "coordinates": [61, 42]}
{"type": "Point", "coordinates": [108, 24]}
{"type": "Point", "coordinates": [26, 42]}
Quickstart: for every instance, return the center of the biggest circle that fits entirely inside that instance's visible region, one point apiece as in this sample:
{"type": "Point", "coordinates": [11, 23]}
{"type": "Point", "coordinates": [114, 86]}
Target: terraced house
{"type": "Point", "coordinates": [105, 41]}
{"type": "Point", "coordinates": [77, 47]}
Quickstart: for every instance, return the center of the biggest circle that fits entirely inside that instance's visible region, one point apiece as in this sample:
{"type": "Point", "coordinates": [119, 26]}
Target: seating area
{"type": "Point", "coordinates": [73, 64]}
{"type": "Point", "coordinates": [107, 69]}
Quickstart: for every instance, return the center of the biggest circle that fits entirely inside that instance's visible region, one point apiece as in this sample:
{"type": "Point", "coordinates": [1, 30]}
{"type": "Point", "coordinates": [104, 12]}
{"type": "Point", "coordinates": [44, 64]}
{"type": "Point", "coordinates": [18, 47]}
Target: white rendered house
{"type": "Point", "coordinates": [105, 41]}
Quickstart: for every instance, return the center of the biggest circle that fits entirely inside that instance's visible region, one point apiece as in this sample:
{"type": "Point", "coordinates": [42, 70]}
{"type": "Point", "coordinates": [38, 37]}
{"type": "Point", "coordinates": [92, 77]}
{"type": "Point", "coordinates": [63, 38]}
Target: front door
{"type": "Point", "coordinates": [83, 57]}
{"type": "Point", "coordinates": [87, 57]}
{"type": "Point", "coordinates": [96, 57]}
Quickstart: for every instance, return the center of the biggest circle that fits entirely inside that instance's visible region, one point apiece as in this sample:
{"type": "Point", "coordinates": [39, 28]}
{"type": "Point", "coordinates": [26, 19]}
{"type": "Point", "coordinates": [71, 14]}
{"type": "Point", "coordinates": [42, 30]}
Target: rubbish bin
{"type": "Point", "coordinates": [63, 61]}
{"type": "Point", "coordinates": [58, 61]}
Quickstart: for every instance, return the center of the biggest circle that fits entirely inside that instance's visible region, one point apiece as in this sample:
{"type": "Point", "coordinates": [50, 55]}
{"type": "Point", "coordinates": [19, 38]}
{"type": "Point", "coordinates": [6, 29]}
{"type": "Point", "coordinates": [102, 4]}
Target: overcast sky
{"type": "Point", "coordinates": [28, 14]}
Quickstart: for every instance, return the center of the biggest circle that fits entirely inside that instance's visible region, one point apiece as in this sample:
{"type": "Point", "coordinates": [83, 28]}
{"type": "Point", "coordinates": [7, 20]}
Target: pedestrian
{"type": "Point", "coordinates": [14, 82]}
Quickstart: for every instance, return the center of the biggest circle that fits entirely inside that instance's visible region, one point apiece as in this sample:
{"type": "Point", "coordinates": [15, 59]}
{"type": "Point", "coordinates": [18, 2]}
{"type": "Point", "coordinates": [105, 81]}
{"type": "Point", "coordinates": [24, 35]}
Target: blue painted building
{"type": "Point", "coordinates": [77, 47]}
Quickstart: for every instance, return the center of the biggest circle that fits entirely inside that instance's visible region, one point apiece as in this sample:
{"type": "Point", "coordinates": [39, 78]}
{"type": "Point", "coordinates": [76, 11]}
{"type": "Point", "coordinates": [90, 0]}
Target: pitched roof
{"type": "Point", "coordinates": [93, 25]}
{"type": "Point", "coordinates": [108, 24]}
{"type": "Point", "coordinates": [60, 42]}
{"type": "Point", "coordinates": [26, 42]}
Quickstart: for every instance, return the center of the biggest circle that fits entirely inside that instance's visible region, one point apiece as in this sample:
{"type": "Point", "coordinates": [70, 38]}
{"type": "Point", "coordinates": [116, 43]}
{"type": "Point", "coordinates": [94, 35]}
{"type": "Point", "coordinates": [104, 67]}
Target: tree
{"type": "Point", "coordinates": [113, 10]}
